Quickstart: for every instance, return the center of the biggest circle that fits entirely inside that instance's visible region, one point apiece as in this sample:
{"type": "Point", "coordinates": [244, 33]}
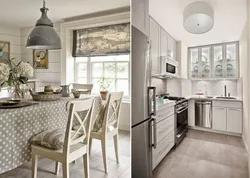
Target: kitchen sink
{"type": "Point", "coordinates": [226, 97]}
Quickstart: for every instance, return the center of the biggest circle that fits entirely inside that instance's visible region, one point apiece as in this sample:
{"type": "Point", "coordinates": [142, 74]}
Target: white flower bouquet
{"type": "Point", "coordinates": [14, 75]}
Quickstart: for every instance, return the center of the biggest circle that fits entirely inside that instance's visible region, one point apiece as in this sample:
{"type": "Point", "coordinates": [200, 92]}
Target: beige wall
{"type": "Point", "coordinates": [243, 47]}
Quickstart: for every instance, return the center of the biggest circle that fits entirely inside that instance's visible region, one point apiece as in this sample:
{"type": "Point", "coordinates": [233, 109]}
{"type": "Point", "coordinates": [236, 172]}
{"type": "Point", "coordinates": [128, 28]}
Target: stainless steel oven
{"type": "Point", "coordinates": [181, 129]}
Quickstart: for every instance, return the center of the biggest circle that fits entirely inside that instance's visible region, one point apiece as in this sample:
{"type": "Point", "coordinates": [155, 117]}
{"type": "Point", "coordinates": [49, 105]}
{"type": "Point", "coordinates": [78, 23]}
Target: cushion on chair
{"type": "Point", "coordinates": [98, 114]}
{"type": "Point", "coordinates": [53, 139]}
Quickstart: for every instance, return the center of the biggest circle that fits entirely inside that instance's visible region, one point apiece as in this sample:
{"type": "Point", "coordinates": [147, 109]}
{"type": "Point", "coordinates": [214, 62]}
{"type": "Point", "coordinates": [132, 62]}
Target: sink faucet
{"type": "Point", "coordinates": [225, 89]}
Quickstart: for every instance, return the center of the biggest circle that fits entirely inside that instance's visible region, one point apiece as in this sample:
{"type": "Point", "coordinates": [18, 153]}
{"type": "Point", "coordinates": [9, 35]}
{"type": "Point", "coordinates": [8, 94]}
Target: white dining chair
{"type": "Point", "coordinates": [110, 123]}
{"type": "Point", "coordinates": [76, 141]}
{"type": "Point", "coordinates": [83, 88]}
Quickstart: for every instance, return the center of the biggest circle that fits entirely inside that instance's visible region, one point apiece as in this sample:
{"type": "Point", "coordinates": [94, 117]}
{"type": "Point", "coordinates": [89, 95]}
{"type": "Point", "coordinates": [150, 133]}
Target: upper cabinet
{"type": "Point", "coordinates": [163, 47]}
{"type": "Point", "coordinates": [140, 15]}
{"type": "Point", "coordinates": [214, 61]}
{"type": "Point", "coordinates": [155, 47]}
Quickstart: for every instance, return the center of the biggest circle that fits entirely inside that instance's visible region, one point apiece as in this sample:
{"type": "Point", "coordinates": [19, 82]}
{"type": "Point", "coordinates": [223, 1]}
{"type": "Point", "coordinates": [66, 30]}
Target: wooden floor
{"type": "Point", "coordinates": [121, 170]}
{"type": "Point", "coordinates": [205, 155]}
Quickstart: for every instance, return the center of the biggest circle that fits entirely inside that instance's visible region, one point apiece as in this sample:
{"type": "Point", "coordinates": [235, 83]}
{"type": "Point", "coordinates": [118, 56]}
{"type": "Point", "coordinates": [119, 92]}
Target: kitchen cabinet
{"type": "Point", "coordinates": [234, 120]}
{"type": "Point", "coordinates": [140, 15]}
{"type": "Point", "coordinates": [171, 48]}
{"type": "Point", "coordinates": [200, 62]}
{"type": "Point", "coordinates": [219, 118]}
{"type": "Point", "coordinates": [165, 136]}
{"type": "Point", "coordinates": [227, 116]}
{"type": "Point", "coordinates": [214, 61]}
{"type": "Point", "coordinates": [155, 47]}
{"type": "Point", "coordinates": [164, 43]}
{"type": "Point", "coordinates": [163, 47]}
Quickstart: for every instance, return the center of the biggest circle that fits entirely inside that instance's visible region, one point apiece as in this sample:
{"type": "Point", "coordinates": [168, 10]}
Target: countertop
{"type": "Point", "coordinates": [166, 103]}
{"type": "Point", "coordinates": [214, 98]}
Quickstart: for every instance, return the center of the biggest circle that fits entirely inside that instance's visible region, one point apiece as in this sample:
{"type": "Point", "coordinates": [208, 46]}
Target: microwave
{"type": "Point", "coordinates": [170, 68]}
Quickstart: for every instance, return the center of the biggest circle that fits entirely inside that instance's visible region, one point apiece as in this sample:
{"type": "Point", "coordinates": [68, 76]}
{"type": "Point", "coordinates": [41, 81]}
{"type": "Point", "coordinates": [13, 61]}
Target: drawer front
{"type": "Point", "coordinates": [162, 114]}
{"type": "Point", "coordinates": [227, 104]}
{"type": "Point", "coordinates": [162, 149]}
{"type": "Point", "coordinates": [164, 128]}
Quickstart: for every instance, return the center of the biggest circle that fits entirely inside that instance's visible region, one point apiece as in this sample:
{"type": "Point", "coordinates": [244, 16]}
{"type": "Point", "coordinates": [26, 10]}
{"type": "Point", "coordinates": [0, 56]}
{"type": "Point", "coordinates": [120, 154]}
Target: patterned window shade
{"type": "Point", "coordinates": [106, 40]}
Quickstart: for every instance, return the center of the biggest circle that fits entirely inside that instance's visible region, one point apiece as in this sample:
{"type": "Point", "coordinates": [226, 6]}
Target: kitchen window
{"type": "Point", "coordinates": [114, 70]}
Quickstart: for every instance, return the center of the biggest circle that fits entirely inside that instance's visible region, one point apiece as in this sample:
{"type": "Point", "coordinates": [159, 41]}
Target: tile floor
{"type": "Point", "coordinates": [205, 155]}
{"type": "Point", "coordinates": [121, 170]}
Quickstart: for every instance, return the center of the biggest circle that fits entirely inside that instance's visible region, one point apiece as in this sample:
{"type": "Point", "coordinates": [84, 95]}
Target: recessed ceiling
{"type": "Point", "coordinates": [229, 20]}
{"type": "Point", "coordinates": [21, 13]}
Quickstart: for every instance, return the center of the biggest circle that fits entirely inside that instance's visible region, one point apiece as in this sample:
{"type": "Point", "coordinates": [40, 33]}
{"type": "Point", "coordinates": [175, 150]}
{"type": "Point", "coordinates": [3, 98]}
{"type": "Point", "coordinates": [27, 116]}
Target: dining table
{"type": "Point", "coordinates": [19, 125]}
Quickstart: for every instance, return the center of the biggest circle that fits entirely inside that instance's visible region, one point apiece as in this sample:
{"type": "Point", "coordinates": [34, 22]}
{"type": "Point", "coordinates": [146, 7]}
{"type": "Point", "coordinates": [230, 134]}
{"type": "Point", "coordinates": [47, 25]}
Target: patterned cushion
{"type": "Point", "coordinates": [52, 139]}
{"type": "Point", "coordinates": [98, 114]}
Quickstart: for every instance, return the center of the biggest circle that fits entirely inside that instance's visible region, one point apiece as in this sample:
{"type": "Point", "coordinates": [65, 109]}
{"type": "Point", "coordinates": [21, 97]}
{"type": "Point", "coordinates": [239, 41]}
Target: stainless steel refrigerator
{"type": "Point", "coordinates": [143, 107]}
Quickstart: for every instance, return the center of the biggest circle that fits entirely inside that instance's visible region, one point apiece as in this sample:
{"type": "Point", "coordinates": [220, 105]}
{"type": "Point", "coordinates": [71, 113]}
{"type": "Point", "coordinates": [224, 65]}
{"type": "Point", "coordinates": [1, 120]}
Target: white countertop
{"type": "Point", "coordinates": [195, 97]}
{"type": "Point", "coordinates": [167, 103]}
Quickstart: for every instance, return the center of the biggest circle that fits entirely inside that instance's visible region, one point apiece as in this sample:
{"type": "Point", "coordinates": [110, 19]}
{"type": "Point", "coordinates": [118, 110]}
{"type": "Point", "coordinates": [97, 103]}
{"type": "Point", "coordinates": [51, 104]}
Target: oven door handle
{"type": "Point", "coordinates": [179, 135]}
{"type": "Point", "coordinates": [178, 112]}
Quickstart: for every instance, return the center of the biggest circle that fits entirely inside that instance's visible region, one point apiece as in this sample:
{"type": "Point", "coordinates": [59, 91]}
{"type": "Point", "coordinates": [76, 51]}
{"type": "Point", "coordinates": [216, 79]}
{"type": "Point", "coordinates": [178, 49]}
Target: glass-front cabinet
{"type": "Point", "coordinates": [200, 63]}
{"type": "Point", "coordinates": [214, 61]}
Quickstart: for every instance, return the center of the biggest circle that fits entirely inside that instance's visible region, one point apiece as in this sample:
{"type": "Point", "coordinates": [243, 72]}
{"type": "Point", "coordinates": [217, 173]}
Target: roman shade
{"type": "Point", "coordinates": [105, 40]}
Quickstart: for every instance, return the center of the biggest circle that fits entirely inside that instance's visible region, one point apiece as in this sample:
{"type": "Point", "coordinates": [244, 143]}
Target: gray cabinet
{"type": "Point", "coordinates": [155, 47]}
{"type": "Point", "coordinates": [214, 61]}
{"type": "Point", "coordinates": [140, 15]}
{"type": "Point", "coordinates": [163, 47]}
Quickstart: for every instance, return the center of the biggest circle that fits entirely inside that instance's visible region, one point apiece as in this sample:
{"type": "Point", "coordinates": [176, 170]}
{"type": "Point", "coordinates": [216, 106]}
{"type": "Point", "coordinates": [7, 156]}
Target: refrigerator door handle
{"type": "Point", "coordinates": [154, 144]}
{"type": "Point", "coordinates": [151, 101]}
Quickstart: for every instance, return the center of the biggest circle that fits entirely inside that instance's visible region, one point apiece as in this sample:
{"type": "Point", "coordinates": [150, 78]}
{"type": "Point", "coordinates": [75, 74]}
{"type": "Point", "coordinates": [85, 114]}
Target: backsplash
{"type": "Point", "coordinates": [159, 84]}
{"type": "Point", "coordinates": [215, 88]}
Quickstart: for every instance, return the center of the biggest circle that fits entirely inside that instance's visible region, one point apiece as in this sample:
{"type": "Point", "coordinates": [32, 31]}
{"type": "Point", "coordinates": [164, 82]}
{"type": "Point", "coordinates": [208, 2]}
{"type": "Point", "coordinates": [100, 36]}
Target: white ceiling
{"type": "Point", "coordinates": [21, 13]}
{"type": "Point", "coordinates": [229, 20]}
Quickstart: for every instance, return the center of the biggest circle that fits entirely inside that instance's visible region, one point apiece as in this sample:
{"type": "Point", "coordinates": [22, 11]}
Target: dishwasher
{"type": "Point", "coordinates": [203, 113]}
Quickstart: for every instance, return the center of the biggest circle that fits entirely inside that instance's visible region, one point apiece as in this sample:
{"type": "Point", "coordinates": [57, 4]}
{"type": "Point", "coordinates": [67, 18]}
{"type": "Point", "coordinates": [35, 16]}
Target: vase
{"type": "Point", "coordinates": [103, 94]}
{"type": "Point", "coordinates": [17, 93]}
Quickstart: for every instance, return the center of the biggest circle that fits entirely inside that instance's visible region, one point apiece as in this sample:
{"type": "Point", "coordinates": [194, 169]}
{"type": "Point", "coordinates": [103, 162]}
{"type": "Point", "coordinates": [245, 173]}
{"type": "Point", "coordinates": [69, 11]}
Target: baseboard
{"type": "Point", "coordinates": [214, 131]}
{"type": "Point", "coordinates": [125, 127]}
{"type": "Point", "coordinates": [245, 143]}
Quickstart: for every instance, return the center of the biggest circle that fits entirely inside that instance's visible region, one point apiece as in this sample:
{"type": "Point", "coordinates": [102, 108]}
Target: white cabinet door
{"type": "Point", "coordinates": [140, 15]}
{"type": "Point", "coordinates": [164, 43]}
{"type": "Point", "coordinates": [234, 120]}
{"type": "Point", "coordinates": [155, 47]}
{"type": "Point", "coordinates": [220, 118]}
{"type": "Point", "coordinates": [171, 48]}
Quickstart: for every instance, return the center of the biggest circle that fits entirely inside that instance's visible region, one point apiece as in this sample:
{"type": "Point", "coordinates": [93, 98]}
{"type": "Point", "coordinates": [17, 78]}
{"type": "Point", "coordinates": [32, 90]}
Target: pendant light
{"type": "Point", "coordinates": [198, 18]}
{"type": "Point", "coordinates": [44, 36]}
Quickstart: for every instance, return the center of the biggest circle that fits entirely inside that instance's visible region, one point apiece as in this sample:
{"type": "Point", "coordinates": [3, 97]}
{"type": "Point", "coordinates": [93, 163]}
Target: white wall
{"type": "Point", "coordinates": [244, 80]}
{"type": "Point", "coordinates": [12, 35]}
{"type": "Point", "coordinates": [52, 75]}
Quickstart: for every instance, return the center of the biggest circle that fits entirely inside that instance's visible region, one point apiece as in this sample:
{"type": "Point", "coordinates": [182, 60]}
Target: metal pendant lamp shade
{"type": "Point", "coordinates": [198, 18]}
{"type": "Point", "coordinates": [44, 36]}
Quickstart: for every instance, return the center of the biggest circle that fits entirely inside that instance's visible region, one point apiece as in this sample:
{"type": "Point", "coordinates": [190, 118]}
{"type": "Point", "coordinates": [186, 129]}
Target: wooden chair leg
{"type": "Point", "coordinates": [116, 147]}
{"type": "Point", "coordinates": [65, 170]}
{"type": "Point", "coordinates": [34, 165]}
{"type": "Point", "coordinates": [86, 165]}
{"type": "Point", "coordinates": [104, 155]}
{"type": "Point", "coordinates": [57, 169]}
{"type": "Point", "coordinates": [90, 145]}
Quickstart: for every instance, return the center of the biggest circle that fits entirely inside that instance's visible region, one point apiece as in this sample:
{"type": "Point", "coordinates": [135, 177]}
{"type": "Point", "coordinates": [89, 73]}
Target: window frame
{"type": "Point", "coordinates": [90, 72]}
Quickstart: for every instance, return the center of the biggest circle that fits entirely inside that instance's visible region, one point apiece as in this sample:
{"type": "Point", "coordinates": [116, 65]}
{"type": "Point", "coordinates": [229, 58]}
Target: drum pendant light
{"type": "Point", "coordinates": [198, 18]}
{"type": "Point", "coordinates": [44, 36]}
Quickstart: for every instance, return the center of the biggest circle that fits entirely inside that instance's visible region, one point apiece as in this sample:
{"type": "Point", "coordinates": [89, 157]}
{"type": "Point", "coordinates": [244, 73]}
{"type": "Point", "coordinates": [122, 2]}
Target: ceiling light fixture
{"type": "Point", "coordinates": [44, 36]}
{"type": "Point", "coordinates": [198, 18]}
